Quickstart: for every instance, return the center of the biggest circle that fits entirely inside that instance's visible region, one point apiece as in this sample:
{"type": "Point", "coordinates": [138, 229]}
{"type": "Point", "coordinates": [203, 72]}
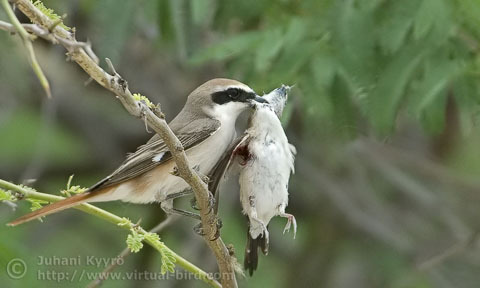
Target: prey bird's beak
{"type": "Point", "coordinates": [284, 90]}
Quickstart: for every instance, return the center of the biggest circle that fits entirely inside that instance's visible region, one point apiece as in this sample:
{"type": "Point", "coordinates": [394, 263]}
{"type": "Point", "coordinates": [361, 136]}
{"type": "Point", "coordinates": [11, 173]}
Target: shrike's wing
{"type": "Point", "coordinates": [155, 152]}
{"type": "Point", "coordinates": [217, 174]}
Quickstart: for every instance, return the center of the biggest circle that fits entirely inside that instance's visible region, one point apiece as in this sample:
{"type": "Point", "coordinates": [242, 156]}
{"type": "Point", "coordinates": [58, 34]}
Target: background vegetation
{"type": "Point", "coordinates": [384, 115]}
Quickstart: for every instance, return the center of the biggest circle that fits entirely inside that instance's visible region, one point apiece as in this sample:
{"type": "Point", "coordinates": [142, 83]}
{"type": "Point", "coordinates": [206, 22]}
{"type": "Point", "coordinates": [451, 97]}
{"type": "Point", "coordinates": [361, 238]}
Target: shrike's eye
{"type": "Point", "coordinates": [233, 93]}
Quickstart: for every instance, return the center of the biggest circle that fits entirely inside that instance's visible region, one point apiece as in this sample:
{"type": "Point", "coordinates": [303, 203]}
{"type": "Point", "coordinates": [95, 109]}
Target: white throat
{"type": "Point", "coordinates": [227, 113]}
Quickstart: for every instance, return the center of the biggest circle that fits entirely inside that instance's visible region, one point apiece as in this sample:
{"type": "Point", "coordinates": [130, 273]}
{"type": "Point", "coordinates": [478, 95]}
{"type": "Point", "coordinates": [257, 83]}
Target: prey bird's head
{"type": "Point", "coordinates": [276, 99]}
{"type": "Point", "coordinates": [223, 98]}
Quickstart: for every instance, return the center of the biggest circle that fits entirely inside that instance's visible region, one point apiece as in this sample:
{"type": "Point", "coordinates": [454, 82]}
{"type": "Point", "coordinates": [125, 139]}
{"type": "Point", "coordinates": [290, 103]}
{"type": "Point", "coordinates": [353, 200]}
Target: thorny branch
{"type": "Point", "coordinates": [79, 53]}
{"type": "Point", "coordinates": [24, 192]}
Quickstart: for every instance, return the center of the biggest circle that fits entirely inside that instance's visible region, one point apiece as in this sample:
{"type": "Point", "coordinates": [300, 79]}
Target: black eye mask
{"type": "Point", "coordinates": [232, 95]}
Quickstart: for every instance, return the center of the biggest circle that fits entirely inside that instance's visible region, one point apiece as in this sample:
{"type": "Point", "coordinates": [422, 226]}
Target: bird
{"type": "Point", "coordinates": [266, 161]}
{"type": "Point", "coordinates": [205, 127]}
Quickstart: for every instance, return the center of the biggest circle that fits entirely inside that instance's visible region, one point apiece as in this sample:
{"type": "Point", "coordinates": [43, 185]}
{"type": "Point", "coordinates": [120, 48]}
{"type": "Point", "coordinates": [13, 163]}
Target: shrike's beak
{"type": "Point", "coordinates": [259, 99]}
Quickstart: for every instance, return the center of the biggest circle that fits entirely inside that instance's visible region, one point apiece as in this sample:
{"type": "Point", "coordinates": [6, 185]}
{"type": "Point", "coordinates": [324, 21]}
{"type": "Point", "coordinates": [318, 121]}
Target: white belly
{"type": "Point", "coordinates": [265, 180]}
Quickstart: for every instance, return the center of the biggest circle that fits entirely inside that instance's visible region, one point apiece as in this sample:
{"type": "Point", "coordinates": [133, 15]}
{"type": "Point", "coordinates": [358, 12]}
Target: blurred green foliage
{"type": "Point", "coordinates": [379, 57]}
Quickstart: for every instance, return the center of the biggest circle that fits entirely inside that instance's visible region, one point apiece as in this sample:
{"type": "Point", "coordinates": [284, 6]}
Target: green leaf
{"type": "Point", "coordinates": [268, 48]}
{"type": "Point", "coordinates": [431, 14]}
{"type": "Point", "coordinates": [228, 48]}
{"type": "Point", "coordinates": [6, 195]}
{"type": "Point", "coordinates": [140, 97]}
{"type": "Point", "coordinates": [114, 23]}
{"type": "Point", "coordinates": [353, 40]}
{"type": "Point", "coordinates": [134, 241]}
{"type": "Point", "coordinates": [385, 99]}
{"type": "Point", "coordinates": [152, 236]}
{"type": "Point", "coordinates": [395, 21]}
{"type": "Point", "coordinates": [433, 116]}
{"type": "Point", "coordinates": [50, 13]}
{"type": "Point", "coordinates": [438, 74]}
{"type": "Point", "coordinates": [343, 108]}
{"type": "Point", "coordinates": [296, 31]}
{"type": "Point", "coordinates": [168, 261]}
{"type": "Point", "coordinates": [36, 204]}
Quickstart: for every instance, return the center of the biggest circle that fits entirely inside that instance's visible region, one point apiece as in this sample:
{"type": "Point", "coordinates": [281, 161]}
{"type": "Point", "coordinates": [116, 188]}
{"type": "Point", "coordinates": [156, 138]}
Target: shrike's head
{"type": "Point", "coordinates": [223, 98]}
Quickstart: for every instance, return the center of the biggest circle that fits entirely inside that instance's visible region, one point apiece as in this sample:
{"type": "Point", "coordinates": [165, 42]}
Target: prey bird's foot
{"type": "Point", "coordinates": [291, 220]}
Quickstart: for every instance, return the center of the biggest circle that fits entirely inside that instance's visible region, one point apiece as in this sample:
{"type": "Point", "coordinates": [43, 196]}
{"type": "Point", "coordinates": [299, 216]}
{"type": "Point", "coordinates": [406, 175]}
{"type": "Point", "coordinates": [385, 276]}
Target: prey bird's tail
{"type": "Point", "coordinates": [250, 262]}
{"type": "Point", "coordinates": [54, 207]}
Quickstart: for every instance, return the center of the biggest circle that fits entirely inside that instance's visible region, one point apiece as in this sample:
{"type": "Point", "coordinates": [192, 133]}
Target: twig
{"type": "Point", "coordinates": [448, 253]}
{"type": "Point", "coordinates": [116, 84]}
{"type": "Point", "coordinates": [125, 252]}
{"type": "Point", "coordinates": [27, 41]}
{"type": "Point", "coordinates": [29, 193]}
{"type": "Point", "coordinates": [45, 34]}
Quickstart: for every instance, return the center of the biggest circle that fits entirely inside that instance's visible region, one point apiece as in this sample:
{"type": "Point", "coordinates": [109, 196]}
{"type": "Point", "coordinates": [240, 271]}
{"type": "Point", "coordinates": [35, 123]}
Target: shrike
{"type": "Point", "coordinates": [205, 127]}
{"type": "Point", "coordinates": [266, 161]}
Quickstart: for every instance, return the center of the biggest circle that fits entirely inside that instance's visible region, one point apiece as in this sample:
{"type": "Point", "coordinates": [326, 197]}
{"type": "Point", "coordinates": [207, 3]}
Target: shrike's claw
{"type": "Point", "coordinates": [201, 231]}
{"type": "Point", "coordinates": [211, 203]}
{"type": "Point", "coordinates": [291, 220]}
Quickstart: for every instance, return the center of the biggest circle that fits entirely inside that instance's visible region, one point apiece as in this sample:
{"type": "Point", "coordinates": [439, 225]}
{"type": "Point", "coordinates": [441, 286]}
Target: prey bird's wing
{"type": "Point", "coordinates": [217, 174]}
{"type": "Point", "coordinates": [155, 152]}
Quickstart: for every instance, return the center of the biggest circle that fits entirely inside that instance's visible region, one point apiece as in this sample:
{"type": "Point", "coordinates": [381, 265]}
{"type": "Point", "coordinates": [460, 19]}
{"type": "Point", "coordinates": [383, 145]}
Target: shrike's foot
{"type": "Point", "coordinates": [211, 203]}
{"type": "Point", "coordinates": [291, 220]}
{"type": "Point", "coordinates": [204, 177]}
{"type": "Point", "coordinates": [201, 231]}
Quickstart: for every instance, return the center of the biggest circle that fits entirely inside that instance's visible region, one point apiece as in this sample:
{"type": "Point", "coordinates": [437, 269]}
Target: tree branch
{"type": "Point", "coordinates": [24, 192]}
{"type": "Point", "coordinates": [116, 84]}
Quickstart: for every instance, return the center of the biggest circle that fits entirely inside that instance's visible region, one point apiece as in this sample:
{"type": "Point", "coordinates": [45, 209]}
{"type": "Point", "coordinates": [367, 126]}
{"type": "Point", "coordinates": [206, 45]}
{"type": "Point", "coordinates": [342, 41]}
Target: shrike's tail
{"type": "Point", "coordinates": [250, 262]}
{"type": "Point", "coordinates": [55, 207]}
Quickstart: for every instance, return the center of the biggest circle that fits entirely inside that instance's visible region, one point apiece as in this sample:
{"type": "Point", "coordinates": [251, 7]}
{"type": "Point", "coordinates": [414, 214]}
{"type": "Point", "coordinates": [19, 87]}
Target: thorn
{"type": "Point", "coordinates": [110, 66]}
{"type": "Point", "coordinates": [146, 123]}
{"type": "Point", "coordinates": [89, 80]}
{"type": "Point", "coordinates": [55, 24]}
{"type": "Point", "coordinates": [157, 111]}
